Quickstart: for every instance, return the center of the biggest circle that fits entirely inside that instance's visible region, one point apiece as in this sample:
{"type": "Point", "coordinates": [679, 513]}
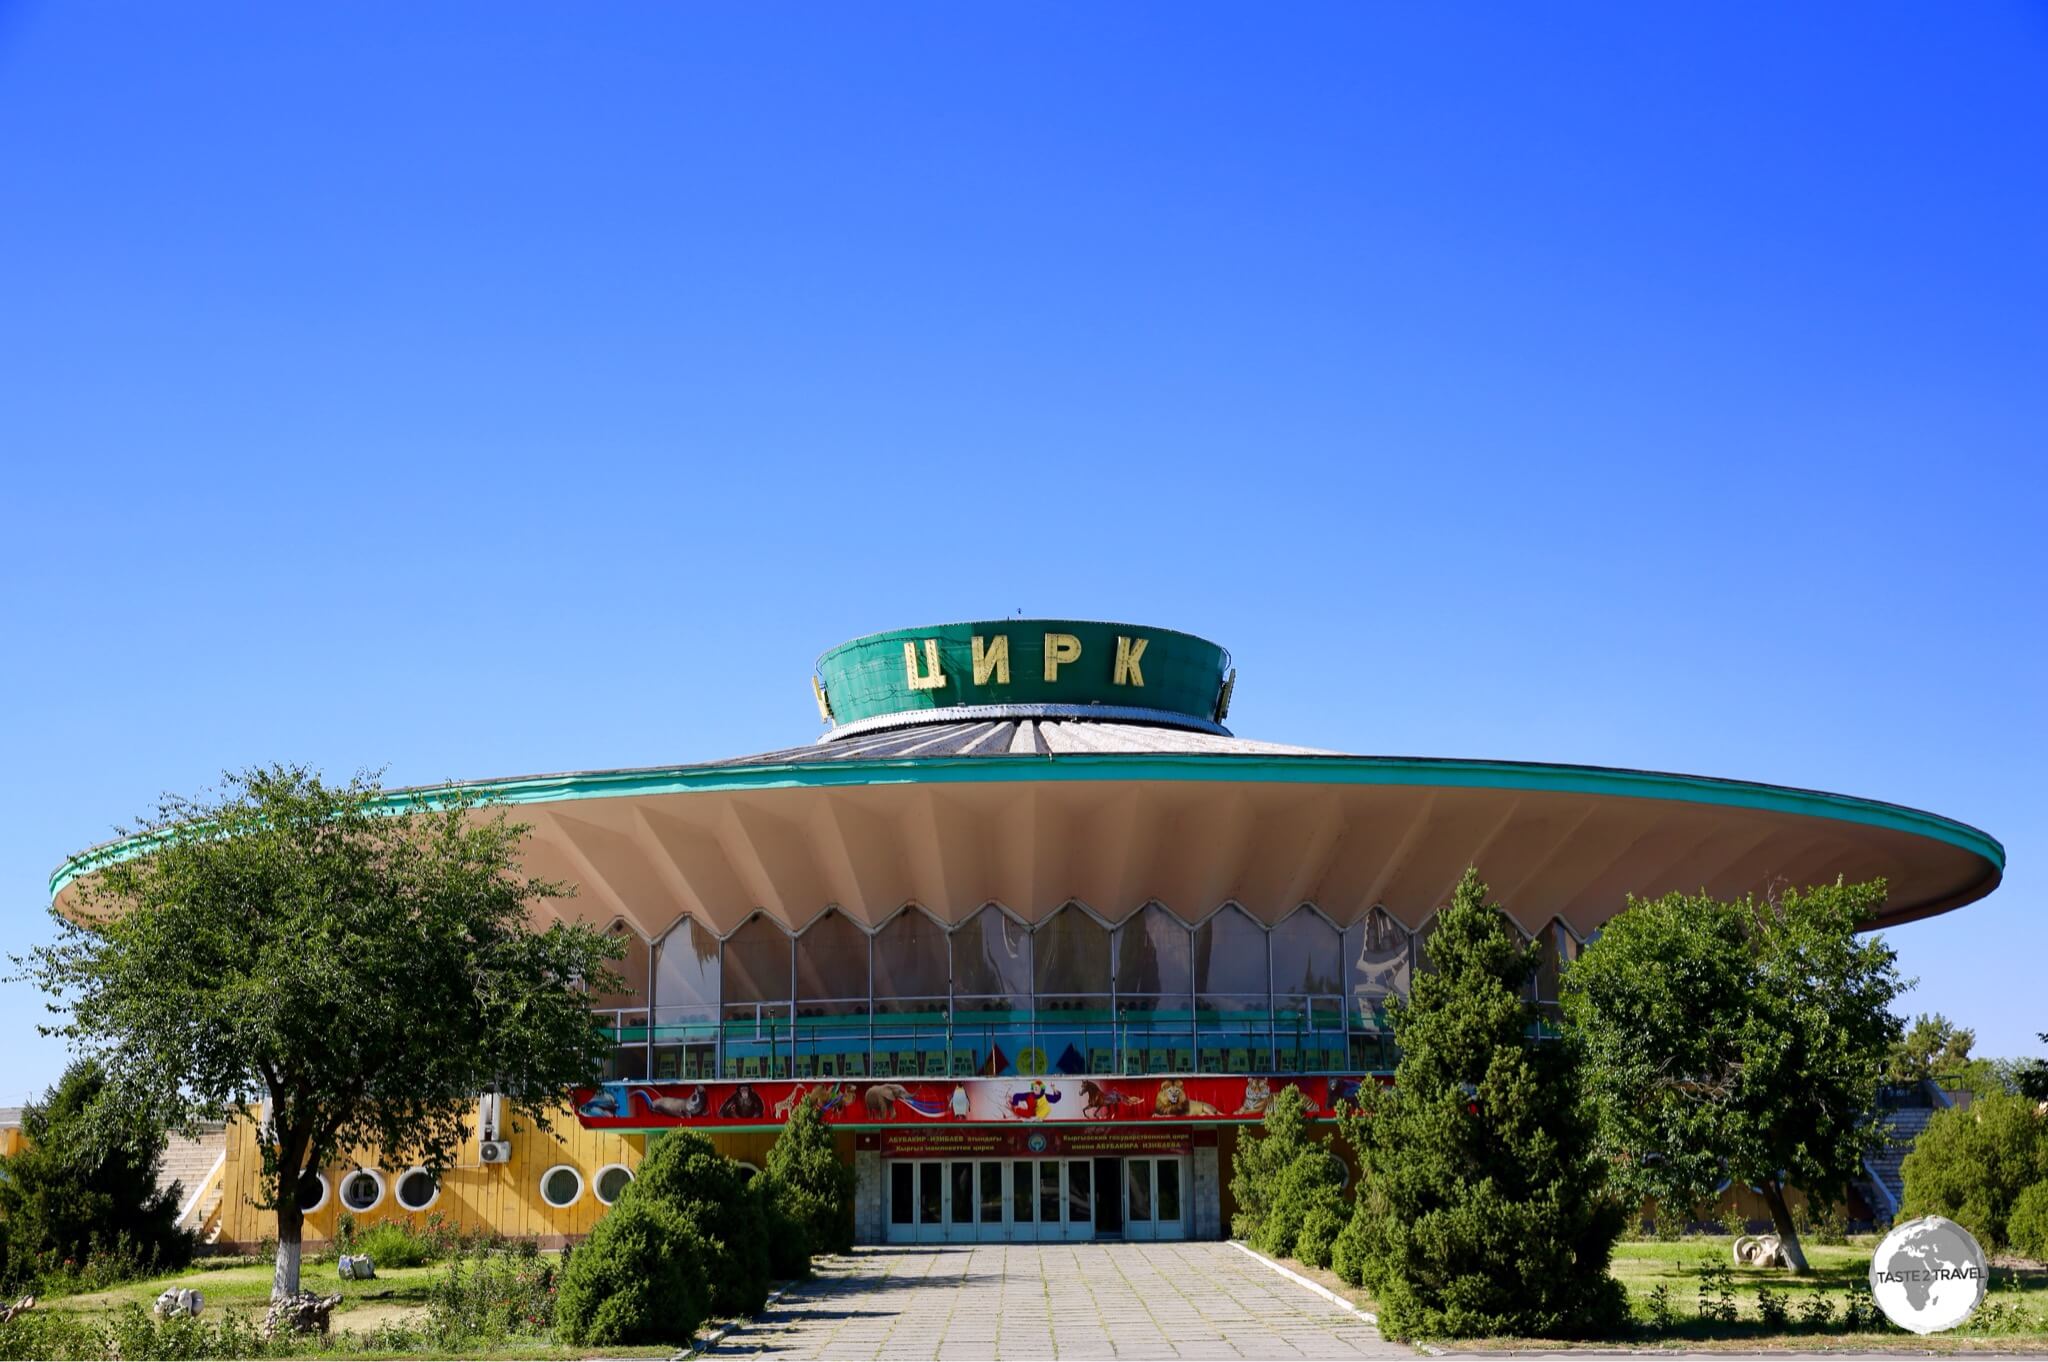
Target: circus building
{"type": "Point", "coordinates": [1041, 933]}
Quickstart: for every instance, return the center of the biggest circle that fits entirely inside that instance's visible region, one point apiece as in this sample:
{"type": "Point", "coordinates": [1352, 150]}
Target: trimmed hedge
{"type": "Point", "coordinates": [635, 1280]}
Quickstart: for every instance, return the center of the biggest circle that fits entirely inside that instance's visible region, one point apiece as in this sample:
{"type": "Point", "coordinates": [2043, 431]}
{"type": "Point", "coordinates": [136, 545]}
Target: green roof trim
{"type": "Point", "coordinates": [1448, 772]}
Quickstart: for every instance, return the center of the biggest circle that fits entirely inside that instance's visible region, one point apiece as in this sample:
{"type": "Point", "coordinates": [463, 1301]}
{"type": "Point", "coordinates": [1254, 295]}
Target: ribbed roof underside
{"type": "Point", "coordinates": [1020, 737]}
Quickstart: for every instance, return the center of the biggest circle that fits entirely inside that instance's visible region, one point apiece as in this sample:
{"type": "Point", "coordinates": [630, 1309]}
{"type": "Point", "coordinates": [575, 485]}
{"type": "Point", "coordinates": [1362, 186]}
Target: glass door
{"type": "Point", "coordinates": [1152, 1199]}
{"type": "Point", "coordinates": [931, 1202]}
{"type": "Point", "coordinates": [960, 1202]}
{"type": "Point", "coordinates": [902, 1202]}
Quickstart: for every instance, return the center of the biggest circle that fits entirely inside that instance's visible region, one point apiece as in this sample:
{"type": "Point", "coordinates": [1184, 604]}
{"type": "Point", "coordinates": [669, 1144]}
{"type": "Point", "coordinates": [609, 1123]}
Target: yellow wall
{"type": "Point", "coordinates": [10, 1141]}
{"type": "Point", "coordinates": [503, 1197]}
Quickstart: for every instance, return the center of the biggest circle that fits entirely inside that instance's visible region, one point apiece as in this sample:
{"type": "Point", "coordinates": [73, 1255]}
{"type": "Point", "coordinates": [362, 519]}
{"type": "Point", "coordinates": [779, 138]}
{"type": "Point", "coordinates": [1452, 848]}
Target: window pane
{"type": "Point", "coordinates": [963, 1193]}
{"type": "Point", "coordinates": [686, 973]}
{"type": "Point", "coordinates": [1138, 1188]}
{"type": "Point", "coordinates": [910, 957]}
{"type": "Point", "coordinates": [1071, 954]}
{"type": "Point", "coordinates": [757, 963]}
{"type": "Point", "coordinates": [1049, 1192]}
{"type": "Point", "coordinates": [930, 1193]}
{"type": "Point", "coordinates": [1230, 955]}
{"type": "Point", "coordinates": [632, 968]}
{"type": "Point", "coordinates": [1169, 1189]}
{"type": "Point", "coordinates": [992, 959]}
{"type": "Point", "coordinates": [1020, 1192]}
{"type": "Point", "coordinates": [1307, 955]}
{"type": "Point", "coordinates": [1152, 955]}
{"type": "Point", "coordinates": [611, 1184]}
{"type": "Point", "coordinates": [1423, 964]}
{"type": "Point", "coordinates": [1079, 1211]}
{"type": "Point", "coordinates": [832, 960]}
{"type": "Point", "coordinates": [902, 1193]}
{"type": "Point", "coordinates": [1379, 963]}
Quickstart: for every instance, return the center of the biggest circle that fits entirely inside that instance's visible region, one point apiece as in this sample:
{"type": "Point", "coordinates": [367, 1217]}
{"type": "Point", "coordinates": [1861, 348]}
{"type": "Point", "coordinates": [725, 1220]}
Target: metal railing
{"type": "Point", "coordinates": [778, 1045]}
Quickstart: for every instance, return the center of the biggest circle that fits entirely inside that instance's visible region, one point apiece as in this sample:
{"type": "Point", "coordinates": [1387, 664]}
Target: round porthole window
{"type": "Point", "coordinates": [561, 1186]}
{"type": "Point", "coordinates": [312, 1192]}
{"type": "Point", "coordinates": [417, 1189]}
{"type": "Point", "coordinates": [612, 1181]}
{"type": "Point", "coordinates": [362, 1189]}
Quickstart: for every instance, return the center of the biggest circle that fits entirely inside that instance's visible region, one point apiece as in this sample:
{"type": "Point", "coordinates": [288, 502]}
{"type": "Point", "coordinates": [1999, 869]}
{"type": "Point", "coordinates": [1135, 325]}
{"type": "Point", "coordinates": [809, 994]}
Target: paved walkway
{"type": "Point", "coordinates": [1009, 1301]}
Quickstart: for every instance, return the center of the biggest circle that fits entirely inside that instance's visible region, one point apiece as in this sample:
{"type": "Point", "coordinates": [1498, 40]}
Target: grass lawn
{"type": "Point", "coordinates": [395, 1296]}
{"type": "Point", "coordinates": [2013, 1318]}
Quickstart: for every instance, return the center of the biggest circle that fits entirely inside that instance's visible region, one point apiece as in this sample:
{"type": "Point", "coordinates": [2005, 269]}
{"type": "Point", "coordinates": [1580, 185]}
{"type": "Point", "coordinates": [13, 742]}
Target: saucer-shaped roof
{"type": "Point", "coordinates": [1125, 789]}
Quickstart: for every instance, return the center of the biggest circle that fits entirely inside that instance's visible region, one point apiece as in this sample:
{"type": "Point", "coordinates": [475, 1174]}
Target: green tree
{"type": "Point", "coordinates": [1481, 1208]}
{"type": "Point", "coordinates": [713, 1195]}
{"type": "Point", "coordinates": [1282, 1178]}
{"type": "Point", "coordinates": [807, 1179]}
{"type": "Point", "coordinates": [1743, 1039]}
{"type": "Point", "coordinates": [1933, 1047]}
{"type": "Point", "coordinates": [1972, 1164]}
{"type": "Point", "coordinates": [359, 962]}
{"type": "Point", "coordinates": [84, 1184]}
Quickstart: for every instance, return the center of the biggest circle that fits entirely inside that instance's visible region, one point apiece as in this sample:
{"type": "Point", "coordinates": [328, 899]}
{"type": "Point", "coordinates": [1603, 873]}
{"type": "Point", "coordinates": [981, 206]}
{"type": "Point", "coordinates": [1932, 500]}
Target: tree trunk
{"type": "Point", "coordinates": [291, 1221]}
{"type": "Point", "coordinates": [1781, 1218]}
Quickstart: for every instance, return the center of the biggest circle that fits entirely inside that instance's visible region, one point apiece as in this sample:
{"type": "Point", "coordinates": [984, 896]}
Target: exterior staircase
{"type": "Point", "coordinates": [1907, 1110]}
{"type": "Point", "coordinates": [197, 1166]}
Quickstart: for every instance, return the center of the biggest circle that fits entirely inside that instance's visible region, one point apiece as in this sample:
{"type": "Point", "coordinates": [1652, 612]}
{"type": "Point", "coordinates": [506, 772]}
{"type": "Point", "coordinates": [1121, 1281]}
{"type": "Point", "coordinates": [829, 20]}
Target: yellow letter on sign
{"type": "Point", "coordinates": [1060, 649]}
{"type": "Point", "coordinates": [1128, 651]}
{"type": "Point", "coordinates": [932, 678]}
{"type": "Point", "coordinates": [992, 660]}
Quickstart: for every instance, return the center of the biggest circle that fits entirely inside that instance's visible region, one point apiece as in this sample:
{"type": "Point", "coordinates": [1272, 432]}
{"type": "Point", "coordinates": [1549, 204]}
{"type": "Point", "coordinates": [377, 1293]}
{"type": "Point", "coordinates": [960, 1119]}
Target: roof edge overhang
{"type": "Point", "coordinates": [1420, 772]}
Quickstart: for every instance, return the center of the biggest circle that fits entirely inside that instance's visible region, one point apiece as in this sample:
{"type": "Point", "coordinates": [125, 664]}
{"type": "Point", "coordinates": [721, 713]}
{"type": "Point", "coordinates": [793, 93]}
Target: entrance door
{"type": "Point", "coordinates": [1152, 1199]}
{"type": "Point", "coordinates": [1109, 1210]}
{"type": "Point", "coordinates": [931, 1202]}
{"type": "Point", "coordinates": [960, 1202]}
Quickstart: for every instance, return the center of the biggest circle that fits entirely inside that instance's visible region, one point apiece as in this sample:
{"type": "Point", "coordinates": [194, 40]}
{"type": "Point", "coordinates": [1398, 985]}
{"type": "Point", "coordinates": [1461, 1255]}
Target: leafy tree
{"type": "Point", "coordinates": [636, 1279]}
{"type": "Point", "coordinates": [1933, 1047]}
{"type": "Point", "coordinates": [806, 1178]}
{"type": "Point", "coordinates": [360, 962]}
{"type": "Point", "coordinates": [1973, 1164]}
{"type": "Point", "coordinates": [712, 1194]}
{"type": "Point", "coordinates": [1481, 1209]}
{"type": "Point", "coordinates": [1742, 1039]}
{"type": "Point", "coordinates": [84, 1184]}
{"type": "Point", "coordinates": [2028, 1077]}
{"type": "Point", "coordinates": [1282, 1177]}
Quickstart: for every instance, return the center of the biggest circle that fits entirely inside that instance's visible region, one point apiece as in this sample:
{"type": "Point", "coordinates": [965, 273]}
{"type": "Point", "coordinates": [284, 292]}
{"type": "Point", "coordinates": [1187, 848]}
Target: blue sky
{"type": "Point", "coordinates": [473, 390]}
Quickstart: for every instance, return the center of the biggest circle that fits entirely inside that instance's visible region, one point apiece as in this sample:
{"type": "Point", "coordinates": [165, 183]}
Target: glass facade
{"type": "Point", "coordinates": [992, 996]}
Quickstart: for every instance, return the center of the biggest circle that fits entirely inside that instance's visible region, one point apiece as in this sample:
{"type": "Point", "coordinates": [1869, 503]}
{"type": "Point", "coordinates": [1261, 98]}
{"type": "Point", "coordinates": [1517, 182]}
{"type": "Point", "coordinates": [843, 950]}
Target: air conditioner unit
{"type": "Point", "coordinates": [494, 1151]}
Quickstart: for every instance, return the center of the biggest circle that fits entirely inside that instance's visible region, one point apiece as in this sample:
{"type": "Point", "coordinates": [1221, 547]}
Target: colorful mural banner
{"type": "Point", "coordinates": [965, 1101]}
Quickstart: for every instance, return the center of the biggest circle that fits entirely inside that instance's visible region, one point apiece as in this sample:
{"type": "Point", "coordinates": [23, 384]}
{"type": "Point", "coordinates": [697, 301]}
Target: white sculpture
{"type": "Point", "coordinates": [179, 1301]}
{"type": "Point", "coordinates": [357, 1267]}
{"type": "Point", "coordinates": [1760, 1250]}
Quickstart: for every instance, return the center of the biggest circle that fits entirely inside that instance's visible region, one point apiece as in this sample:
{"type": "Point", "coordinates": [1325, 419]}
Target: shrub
{"type": "Point", "coordinates": [2026, 1228]}
{"type": "Point", "coordinates": [1972, 1163]}
{"type": "Point", "coordinates": [806, 1178]}
{"type": "Point", "coordinates": [80, 1198]}
{"type": "Point", "coordinates": [129, 1332]}
{"type": "Point", "coordinates": [633, 1281]}
{"type": "Point", "coordinates": [1281, 1178]}
{"type": "Point", "coordinates": [394, 1243]}
{"type": "Point", "coordinates": [789, 1239]}
{"type": "Point", "coordinates": [493, 1293]}
{"type": "Point", "coordinates": [711, 1193]}
{"type": "Point", "coordinates": [1482, 1206]}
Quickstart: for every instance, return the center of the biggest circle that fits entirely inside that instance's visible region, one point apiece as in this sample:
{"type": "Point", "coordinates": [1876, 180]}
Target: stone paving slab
{"type": "Point", "coordinates": [1069, 1301]}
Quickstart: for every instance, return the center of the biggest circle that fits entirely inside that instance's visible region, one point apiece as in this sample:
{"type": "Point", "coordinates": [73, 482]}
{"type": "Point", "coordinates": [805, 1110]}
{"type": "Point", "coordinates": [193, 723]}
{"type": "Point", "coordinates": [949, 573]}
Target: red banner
{"type": "Point", "coordinates": [962, 1101]}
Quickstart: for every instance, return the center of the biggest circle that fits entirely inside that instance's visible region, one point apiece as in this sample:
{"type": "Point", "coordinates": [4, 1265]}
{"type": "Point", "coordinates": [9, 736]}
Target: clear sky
{"type": "Point", "coordinates": [478, 390]}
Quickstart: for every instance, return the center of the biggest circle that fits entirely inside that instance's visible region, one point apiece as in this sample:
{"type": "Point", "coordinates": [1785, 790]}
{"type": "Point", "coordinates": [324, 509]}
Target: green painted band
{"type": "Point", "coordinates": [1445, 772]}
